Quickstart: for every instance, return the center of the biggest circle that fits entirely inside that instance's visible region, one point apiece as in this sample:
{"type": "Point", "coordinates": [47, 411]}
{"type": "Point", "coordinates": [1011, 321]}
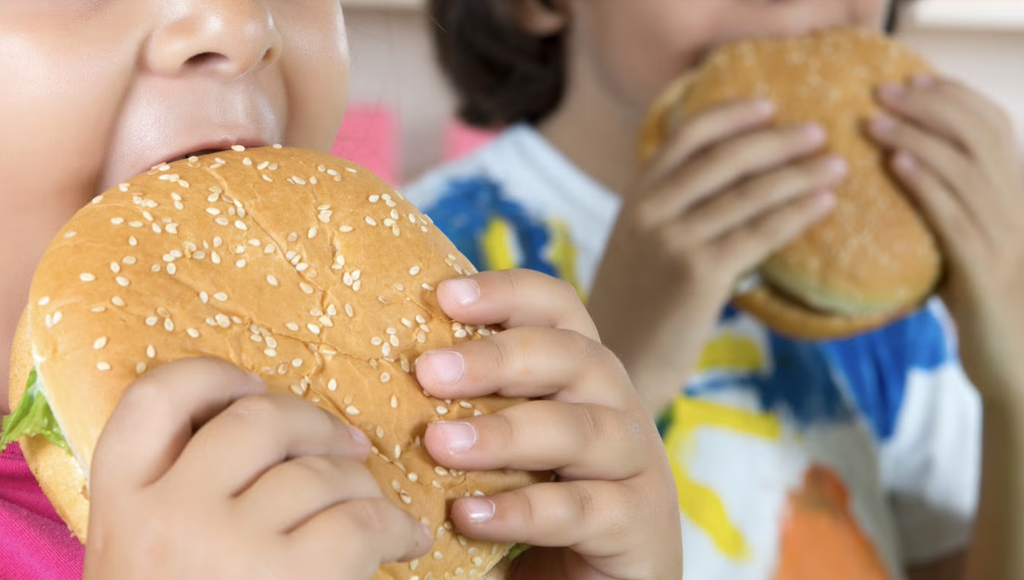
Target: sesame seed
{"type": "Point", "coordinates": [193, 333]}
{"type": "Point", "coordinates": [220, 297]}
{"type": "Point", "coordinates": [267, 178]}
{"type": "Point", "coordinates": [151, 351]}
{"type": "Point", "coordinates": [350, 410]}
{"type": "Point", "coordinates": [44, 301]}
{"type": "Point", "coordinates": [345, 229]}
{"type": "Point", "coordinates": [292, 327]}
{"type": "Point", "coordinates": [371, 221]}
{"type": "Point", "coordinates": [222, 221]}
{"type": "Point", "coordinates": [240, 225]}
{"type": "Point", "coordinates": [103, 366]}
{"type": "Point", "coordinates": [350, 170]}
{"type": "Point", "coordinates": [306, 288]}
{"type": "Point", "coordinates": [240, 263]}
{"type": "Point", "coordinates": [172, 269]}
{"type": "Point", "coordinates": [140, 368]}
{"type": "Point", "coordinates": [215, 257]}
{"type": "Point", "coordinates": [420, 319]}
{"type": "Point", "coordinates": [406, 499]}
{"type": "Point", "coordinates": [204, 297]}
{"type": "Point", "coordinates": [385, 377]}
{"type": "Point", "coordinates": [132, 241]}
{"type": "Point", "coordinates": [271, 342]}
{"type": "Point", "coordinates": [168, 325]}
{"type": "Point", "coordinates": [223, 321]}
{"type": "Point", "coordinates": [374, 198]}
{"type": "Point", "coordinates": [465, 404]}
{"type": "Point", "coordinates": [349, 311]}
{"type": "Point", "coordinates": [270, 352]}
{"type": "Point", "coordinates": [100, 343]}
{"type": "Point", "coordinates": [441, 410]}
{"type": "Point", "coordinates": [302, 267]}
{"type": "Point", "coordinates": [332, 385]}
{"type": "Point", "coordinates": [272, 281]}
{"type": "Point", "coordinates": [247, 162]}
{"type": "Point", "coordinates": [218, 242]}
{"type": "Point", "coordinates": [478, 561]}
{"type": "Point", "coordinates": [376, 341]}
{"type": "Point", "coordinates": [122, 281]}
{"type": "Point", "coordinates": [117, 301]}
{"type": "Point", "coordinates": [394, 402]}
{"type": "Point", "coordinates": [213, 211]}
{"type": "Point", "coordinates": [313, 328]}
{"type": "Point", "coordinates": [152, 320]}
{"type": "Point", "coordinates": [297, 363]}
{"type": "Point", "coordinates": [129, 260]}
{"type": "Point", "coordinates": [394, 341]}
{"type": "Point", "coordinates": [356, 285]}
{"type": "Point", "coordinates": [441, 471]}
{"type": "Point", "coordinates": [461, 333]}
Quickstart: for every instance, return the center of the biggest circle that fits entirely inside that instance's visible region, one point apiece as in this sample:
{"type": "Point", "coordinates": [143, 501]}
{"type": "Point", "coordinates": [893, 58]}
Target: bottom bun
{"type": "Point", "coordinates": [795, 320]}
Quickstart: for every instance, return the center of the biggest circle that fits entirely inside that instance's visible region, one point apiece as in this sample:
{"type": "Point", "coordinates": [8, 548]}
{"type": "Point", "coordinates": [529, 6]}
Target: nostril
{"type": "Point", "coordinates": [202, 59]}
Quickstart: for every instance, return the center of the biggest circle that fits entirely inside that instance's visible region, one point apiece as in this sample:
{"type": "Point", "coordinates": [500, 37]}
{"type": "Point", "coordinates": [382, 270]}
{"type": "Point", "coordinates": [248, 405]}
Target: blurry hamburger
{"type": "Point", "coordinates": [873, 259]}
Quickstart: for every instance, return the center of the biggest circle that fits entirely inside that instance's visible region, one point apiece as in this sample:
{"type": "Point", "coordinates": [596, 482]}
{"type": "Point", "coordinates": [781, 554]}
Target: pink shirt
{"type": "Point", "coordinates": [34, 543]}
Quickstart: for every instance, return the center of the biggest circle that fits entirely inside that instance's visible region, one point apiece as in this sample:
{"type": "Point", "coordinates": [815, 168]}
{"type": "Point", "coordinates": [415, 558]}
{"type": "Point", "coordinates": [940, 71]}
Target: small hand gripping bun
{"type": "Point", "coordinates": [302, 268]}
{"type": "Point", "coordinates": [873, 258]}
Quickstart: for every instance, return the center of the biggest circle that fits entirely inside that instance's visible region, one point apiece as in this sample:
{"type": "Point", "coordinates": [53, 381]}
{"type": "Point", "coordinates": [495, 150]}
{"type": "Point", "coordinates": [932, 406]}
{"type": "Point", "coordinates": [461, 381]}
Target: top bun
{"type": "Point", "coordinates": [302, 268]}
{"type": "Point", "coordinates": [873, 258]}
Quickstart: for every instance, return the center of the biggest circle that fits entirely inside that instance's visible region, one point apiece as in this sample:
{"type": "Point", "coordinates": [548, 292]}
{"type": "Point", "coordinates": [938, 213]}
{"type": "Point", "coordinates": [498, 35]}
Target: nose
{"type": "Point", "coordinates": [227, 38]}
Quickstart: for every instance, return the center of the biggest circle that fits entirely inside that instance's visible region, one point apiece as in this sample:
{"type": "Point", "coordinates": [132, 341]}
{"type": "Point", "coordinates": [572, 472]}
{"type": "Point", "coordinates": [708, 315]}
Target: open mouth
{"type": "Point", "coordinates": [192, 154]}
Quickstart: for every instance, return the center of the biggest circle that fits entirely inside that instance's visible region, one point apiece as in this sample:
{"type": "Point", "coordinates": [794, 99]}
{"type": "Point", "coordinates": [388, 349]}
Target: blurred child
{"type": "Point", "coordinates": [849, 459]}
{"type": "Point", "coordinates": [95, 92]}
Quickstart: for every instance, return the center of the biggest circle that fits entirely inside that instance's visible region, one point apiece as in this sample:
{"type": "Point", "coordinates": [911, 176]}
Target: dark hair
{"type": "Point", "coordinates": [501, 73]}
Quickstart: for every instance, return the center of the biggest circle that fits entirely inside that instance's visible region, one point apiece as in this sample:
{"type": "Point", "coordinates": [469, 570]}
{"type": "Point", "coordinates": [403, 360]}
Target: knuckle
{"type": "Point", "coordinates": [256, 409]}
{"type": "Point", "coordinates": [373, 516]}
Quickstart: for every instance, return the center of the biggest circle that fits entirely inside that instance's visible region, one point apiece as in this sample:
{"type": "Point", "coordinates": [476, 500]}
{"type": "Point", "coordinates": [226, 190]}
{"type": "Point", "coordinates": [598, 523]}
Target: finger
{"type": "Point", "coordinates": [292, 492]}
{"type": "Point", "coordinates": [948, 110]}
{"type": "Point", "coordinates": [358, 537]}
{"type": "Point", "coordinates": [157, 416]}
{"type": "Point", "coordinates": [514, 298]}
{"type": "Point", "coordinates": [744, 248]}
{"type": "Point", "coordinates": [731, 210]}
{"type": "Point", "coordinates": [948, 162]}
{"type": "Point", "coordinates": [947, 216]}
{"type": "Point", "coordinates": [575, 441]}
{"type": "Point", "coordinates": [227, 454]}
{"type": "Point", "coordinates": [728, 164]}
{"type": "Point", "coordinates": [527, 362]}
{"type": "Point", "coordinates": [705, 129]}
{"type": "Point", "coordinates": [586, 515]}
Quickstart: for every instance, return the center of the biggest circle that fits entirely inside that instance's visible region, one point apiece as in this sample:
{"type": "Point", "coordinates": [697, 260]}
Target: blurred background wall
{"type": "Point", "coordinates": [400, 119]}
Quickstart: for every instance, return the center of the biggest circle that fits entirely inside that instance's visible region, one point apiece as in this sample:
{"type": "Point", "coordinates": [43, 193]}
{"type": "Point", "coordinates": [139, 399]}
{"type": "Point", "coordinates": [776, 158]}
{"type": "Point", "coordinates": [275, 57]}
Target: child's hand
{"type": "Point", "coordinates": [956, 153]}
{"type": "Point", "coordinates": [726, 193]}
{"type": "Point", "coordinates": [613, 513]}
{"type": "Point", "coordinates": [201, 474]}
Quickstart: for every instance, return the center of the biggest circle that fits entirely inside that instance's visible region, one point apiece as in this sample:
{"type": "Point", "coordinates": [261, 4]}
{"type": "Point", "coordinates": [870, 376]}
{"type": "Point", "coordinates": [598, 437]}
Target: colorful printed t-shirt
{"type": "Point", "coordinates": [847, 460]}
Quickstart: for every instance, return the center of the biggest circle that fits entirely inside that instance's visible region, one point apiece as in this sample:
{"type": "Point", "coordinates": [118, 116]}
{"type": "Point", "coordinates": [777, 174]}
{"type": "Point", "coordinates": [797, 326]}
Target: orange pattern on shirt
{"type": "Point", "coordinates": [821, 538]}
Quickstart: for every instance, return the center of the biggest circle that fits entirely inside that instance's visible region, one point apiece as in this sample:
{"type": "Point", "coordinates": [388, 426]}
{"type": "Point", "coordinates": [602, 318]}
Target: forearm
{"type": "Point", "coordinates": [997, 551]}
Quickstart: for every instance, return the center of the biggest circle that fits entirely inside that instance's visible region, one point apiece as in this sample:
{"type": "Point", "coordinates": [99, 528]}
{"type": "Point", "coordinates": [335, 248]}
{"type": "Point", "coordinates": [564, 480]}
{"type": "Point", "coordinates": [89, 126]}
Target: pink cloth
{"type": "Point", "coordinates": [34, 543]}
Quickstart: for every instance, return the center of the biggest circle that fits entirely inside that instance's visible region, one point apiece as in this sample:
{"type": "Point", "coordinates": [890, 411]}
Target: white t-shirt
{"type": "Point", "coordinates": [847, 460]}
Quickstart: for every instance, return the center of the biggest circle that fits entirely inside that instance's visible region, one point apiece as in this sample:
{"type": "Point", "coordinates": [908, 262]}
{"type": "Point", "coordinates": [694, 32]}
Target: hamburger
{"type": "Point", "coordinates": [873, 259]}
{"type": "Point", "coordinates": [301, 268]}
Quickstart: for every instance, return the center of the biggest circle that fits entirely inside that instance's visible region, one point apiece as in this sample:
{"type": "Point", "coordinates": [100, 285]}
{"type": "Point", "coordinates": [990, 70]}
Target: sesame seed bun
{"type": "Point", "coordinates": [302, 268]}
{"type": "Point", "coordinates": [873, 259]}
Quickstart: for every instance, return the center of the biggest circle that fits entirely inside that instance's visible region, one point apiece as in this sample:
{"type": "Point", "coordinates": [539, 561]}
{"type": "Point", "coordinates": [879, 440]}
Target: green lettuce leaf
{"type": "Point", "coordinates": [32, 417]}
{"type": "Point", "coordinates": [517, 551]}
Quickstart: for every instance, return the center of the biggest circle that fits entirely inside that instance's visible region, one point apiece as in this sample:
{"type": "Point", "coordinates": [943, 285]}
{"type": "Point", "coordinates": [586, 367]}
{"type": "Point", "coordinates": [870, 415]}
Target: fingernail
{"type": "Point", "coordinates": [764, 107]}
{"type": "Point", "coordinates": [464, 291]}
{"type": "Point", "coordinates": [826, 200]}
{"type": "Point", "coordinates": [254, 384]}
{"type": "Point", "coordinates": [814, 133]}
{"type": "Point", "coordinates": [905, 162]}
{"type": "Point", "coordinates": [479, 510]}
{"type": "Point", "coordinates": [882, 124]}
{"type": "Point", "coordinates": [458, 437]}
{"type": "Point", "coordinates": [891, 91]}
{"type": "Point", "coordinates": [426, 533]}
{"type": "Point", "coordinates": [446, 366]}
{"type": "Point", "coordinates": [837, 166]}
{"type": "Point", "coordinates": [922, 81]}
{"type": "Point", "coordinates": [358, 435]}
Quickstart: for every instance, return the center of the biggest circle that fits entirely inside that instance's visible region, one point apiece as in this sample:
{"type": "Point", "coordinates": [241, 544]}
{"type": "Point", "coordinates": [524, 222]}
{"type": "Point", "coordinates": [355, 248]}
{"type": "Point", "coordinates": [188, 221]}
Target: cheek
{"type": "Point", "coordinates": [58, 106]}
{"type": "Point", "coordinates": [316, 70]}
